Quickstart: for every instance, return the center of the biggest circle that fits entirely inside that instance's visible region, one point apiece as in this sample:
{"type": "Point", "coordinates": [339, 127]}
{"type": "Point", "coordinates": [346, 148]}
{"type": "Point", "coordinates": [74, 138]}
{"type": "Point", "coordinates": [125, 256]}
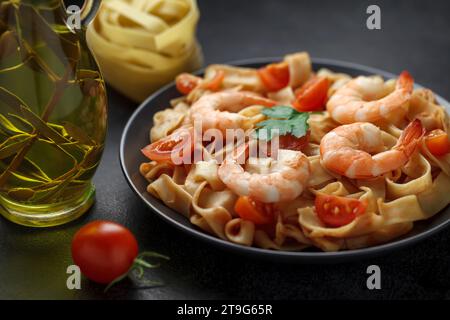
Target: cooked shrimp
{"type": "Point", "coordinates": [364, 99]}
{"type": "Point", "coordinates": [218, 110]}
{"type": "Point", "coordinates": [357, 151]}
{"type": "Point", "coordinates": [283, 180]}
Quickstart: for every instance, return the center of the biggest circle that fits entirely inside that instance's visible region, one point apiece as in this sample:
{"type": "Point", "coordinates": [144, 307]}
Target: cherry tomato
{"type": "Point", "coordinates": [252, 210]}
{"type": "Point", "coordinates": [171, 147]}
{"type": "Point", "coordinates": [104, 250]}
{"type": "Point", "coordinates": [312, 95]}
{"type": "Point", "coordinates": [291, 142]}
{"type": "Point", "coordinates": [215, 83]}
{"type": "Point", "coordinates": [337, 211]}
{"type": "Point", "coordinates": [187, 82]}
{"type": "Point", "coordinates": [437, 143]}
{"type": "Point", "coordinates": [275, 76]}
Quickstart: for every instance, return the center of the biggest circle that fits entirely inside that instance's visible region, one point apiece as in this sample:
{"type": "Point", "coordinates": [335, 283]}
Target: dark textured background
{"type": "Point", "coordinates": [414, 36]}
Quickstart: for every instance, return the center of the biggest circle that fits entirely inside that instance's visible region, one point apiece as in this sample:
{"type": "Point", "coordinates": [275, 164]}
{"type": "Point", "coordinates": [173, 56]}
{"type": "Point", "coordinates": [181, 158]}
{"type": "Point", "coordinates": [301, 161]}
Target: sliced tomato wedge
{"type": "Point", "coordinates": [252, 210]}
{"type": "Point", "coordinates": [336, 211]}
{"type": "Point", "coordinates": [187, 82]}
{"type": "Point", "coordinates": [171, 148]}
{"type": "Point", "coordinates": [291, 142]}
{"type": "Point", "coordinates": [312, 95]}
{"type": "Point", "coordinates": [215, 83]}
{"type": "Point", "coordinates": [437, 143]}
{"type": "Point", "coordinates": [275, 76]}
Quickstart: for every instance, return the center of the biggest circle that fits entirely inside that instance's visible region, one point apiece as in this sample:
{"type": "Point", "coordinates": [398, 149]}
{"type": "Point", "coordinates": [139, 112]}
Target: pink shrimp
{"type": "Point", "coordinates": [357, 151]}
{"type": "Point", "coordinates": [219, 110]}
{"type": "Point", "coordinates": [359, 99]}
{"type": "Point", "coordinates": [285, 179]}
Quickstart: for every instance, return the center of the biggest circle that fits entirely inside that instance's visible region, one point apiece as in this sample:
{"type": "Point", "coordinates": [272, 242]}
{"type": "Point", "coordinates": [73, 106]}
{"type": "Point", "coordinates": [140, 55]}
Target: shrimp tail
{"type": "Point", "coordinates": [410, 138]}
{"type": "Point", "coordinates": [405, 81]}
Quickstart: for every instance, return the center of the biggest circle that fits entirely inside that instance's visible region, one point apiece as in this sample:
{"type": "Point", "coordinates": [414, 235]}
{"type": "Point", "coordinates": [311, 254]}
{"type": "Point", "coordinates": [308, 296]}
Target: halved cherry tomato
{"type": "Point", "coordinates": [291, 142]}
{"type": "Point", "coordinates": [252, 210]}
{"type": "Point", "coordinates": [275, 76]}
{"type": "Point", "coordinates": [171, 147]}
{"type": "Point", "coordinates": [104, 250]}
{"type": "Point", "coordinates": [337, 211]}
{"type": "Point", "coordinates": [215, 83]}
{"type": "Point", "coordinates": [187, 82]}
{"type": "Point", "coordinates": [437, 142]}
{"type": "Point", "coordinates": [312, 95]}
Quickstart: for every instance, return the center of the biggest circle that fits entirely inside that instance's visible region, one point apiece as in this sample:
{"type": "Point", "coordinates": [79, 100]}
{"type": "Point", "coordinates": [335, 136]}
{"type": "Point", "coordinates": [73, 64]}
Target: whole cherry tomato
{"type": "Point", "coordinates": [104, 250]}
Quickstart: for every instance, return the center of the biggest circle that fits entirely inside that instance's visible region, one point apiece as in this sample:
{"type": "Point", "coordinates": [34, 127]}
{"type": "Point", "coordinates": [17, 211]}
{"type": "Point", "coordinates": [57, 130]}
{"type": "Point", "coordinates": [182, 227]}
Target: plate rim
{"type": "Point", "coordinates": [297, 256]}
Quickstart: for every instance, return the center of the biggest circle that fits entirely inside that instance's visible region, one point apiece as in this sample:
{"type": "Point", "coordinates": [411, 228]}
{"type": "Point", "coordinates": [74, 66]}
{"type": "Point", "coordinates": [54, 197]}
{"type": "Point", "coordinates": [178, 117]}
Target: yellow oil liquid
{"type": "Point", "coordinates": [52, 115]}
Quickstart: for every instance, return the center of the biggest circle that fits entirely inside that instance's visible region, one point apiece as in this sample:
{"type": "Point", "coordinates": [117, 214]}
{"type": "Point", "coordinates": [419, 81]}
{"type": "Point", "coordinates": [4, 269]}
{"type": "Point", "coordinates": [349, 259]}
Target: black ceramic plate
{"type": "Point", "coordinates": [136, 135]}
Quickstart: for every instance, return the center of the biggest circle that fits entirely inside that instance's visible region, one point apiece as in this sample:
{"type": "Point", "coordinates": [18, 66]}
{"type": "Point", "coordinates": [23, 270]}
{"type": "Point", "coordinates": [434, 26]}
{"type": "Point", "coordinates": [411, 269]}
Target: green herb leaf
{"type": "Point", "coordinates": [30, 175]}
{"type": "Point", "coordinates": [42, 126]}
{"type": "Point", "coordinates": [34, 28]}
{"type": "Point", "coordinates": [8, 127]}
{"type": "Point", "coordinates": [10, 99]}
{"type": "Point", "coordinates": [286, 121]}
{"type": "Point", "coordinates": [14, 144]}
{"type": "Point", "coordinates": [77, 133]}
{"type": "Point", "coordinates": [279, 112]}
{"type": "Point", "coordinates": [300, 125]}
{"type": "Point", "coordinates": [21, 123]}
{"type": "Point", "coordinates": [21, 194]}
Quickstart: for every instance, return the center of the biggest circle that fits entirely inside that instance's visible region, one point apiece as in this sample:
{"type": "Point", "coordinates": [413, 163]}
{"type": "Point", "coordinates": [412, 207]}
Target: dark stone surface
{"type": "Point", "coordinates": [414, 36]}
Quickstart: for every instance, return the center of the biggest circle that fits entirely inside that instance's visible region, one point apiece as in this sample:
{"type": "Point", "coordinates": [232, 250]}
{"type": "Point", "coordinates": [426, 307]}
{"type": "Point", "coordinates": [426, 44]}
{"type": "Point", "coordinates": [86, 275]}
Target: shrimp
{"type": "Point", "coordinates": [219, 110]}
{"type": "Point", "coordinates": [283, 179]}
{"type": "Point", "coordinates": [357, 150]}
{"type": "Point", "coordinates": [364, 99]}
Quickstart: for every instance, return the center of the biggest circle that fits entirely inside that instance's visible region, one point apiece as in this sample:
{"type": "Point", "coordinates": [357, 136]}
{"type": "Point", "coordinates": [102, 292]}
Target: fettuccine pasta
{"type": "Point", "coordinates": [143, 44]}
{"type": "Point", "coordinates": [373, 159]}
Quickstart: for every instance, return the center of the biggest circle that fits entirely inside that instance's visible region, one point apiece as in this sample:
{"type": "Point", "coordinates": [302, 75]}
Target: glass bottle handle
{"type": "Point", "coordinates": [89, 11]}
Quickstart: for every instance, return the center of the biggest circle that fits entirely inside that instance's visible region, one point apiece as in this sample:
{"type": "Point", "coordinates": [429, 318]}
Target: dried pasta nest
{"type": "Point", "coordinates": [143, 44]}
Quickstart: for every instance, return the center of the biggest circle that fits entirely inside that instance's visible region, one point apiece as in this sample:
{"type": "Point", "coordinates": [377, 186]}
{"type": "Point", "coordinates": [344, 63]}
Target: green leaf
{"type": "Point", "coordinates": [8, 127]}
{"type": "Point", "coordinates": [30, 175]}
{"type": "Point", "coordinates": [8, 44]}
{"type": "Point", "coordinates": [77, 133]}
{"type": "Point", "coordinates": [34, 27]}
{"type": "Point", "coordinates": [31, 169]}
{"type": "Point", "coordinates": [13, 101]}
{"type": "Point", "coordinates": [42, 126]}
{"type": "Point", "coordinates": [54, 191]}
{"type": "Point", "coordinates": [91, 157]}
{"type": "Point", "coordinates": [14, 144]}
{"type": "Point", "coordinates": [286, 120]}
{"type": "Point", "coordinates": [279, 112]}
{"type": "Point", "coordinates": [60, 129]}
{"type": "Point", "coordinates": [21, 194]}
{"type": "Point", "coordinates": [299, 125]}
{"type": "Point", "coordinates": [25, 125]}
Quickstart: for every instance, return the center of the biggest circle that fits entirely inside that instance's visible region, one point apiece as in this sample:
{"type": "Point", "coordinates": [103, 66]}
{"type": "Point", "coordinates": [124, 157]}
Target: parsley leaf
{"type": "Point", "coordinates": [279, 112]}
{"type": "Point", "coordinates": [284, 120]}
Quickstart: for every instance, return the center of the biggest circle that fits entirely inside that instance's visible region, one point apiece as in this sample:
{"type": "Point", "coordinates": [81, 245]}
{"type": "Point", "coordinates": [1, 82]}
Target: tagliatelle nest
{"type": "Point", "coordinates": [143, 44]}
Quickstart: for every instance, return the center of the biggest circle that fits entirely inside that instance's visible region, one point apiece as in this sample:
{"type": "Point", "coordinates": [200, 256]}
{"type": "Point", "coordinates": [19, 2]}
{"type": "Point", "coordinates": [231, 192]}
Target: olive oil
{"type": "Point", "coordinates": [52, 115]}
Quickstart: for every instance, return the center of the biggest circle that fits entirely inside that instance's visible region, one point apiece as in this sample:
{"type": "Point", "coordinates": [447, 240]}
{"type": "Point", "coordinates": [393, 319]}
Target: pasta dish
{"type": "Point", "coordinates": [285, 157]}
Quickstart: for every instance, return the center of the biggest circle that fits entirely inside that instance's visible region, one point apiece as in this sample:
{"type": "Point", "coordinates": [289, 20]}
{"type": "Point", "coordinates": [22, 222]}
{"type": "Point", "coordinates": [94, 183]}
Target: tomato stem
{"type": "Point", "coordinates": [138, 266]}
{"type": "Point", "coordinates": [116, 280]}
{"type": "Point", "coordinates": [145, 264]}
